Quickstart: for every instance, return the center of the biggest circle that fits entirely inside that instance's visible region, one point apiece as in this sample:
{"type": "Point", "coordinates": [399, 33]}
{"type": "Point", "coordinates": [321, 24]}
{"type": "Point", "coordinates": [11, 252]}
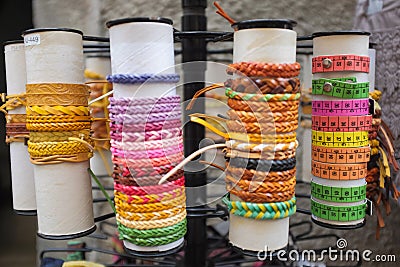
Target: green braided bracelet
{"type": "Point", "coordinates": [260, 97]}
{"type": "Point", "coordinates": [261, 211]}
{"type": "Point", "coordinates": [155, 232]}
{"type": "Point", "coordinates": [151, 241]}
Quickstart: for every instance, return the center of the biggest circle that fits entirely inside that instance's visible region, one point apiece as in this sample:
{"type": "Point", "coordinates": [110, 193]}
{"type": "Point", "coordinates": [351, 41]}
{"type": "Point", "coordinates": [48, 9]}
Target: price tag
{"type": "Point", "coordinates": [33, 39]}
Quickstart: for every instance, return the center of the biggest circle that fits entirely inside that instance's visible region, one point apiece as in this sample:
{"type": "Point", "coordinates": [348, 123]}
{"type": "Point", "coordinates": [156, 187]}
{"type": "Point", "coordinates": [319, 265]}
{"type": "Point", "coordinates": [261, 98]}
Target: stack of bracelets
{"type": "Point", "coordinates": [59, 122]}
{"type": "Point", "coordinates": [98, 109]}
{"type": "Point", "coordinates": [379, 180]}
{"type": "Point", "coordinates": [260, 173]}
{"type": "Point", "coordinates": [15, 123]}
{"type": "Point", "coordinates": [146, 142]}
{"type": "Point", "coordinates": [340, 150]}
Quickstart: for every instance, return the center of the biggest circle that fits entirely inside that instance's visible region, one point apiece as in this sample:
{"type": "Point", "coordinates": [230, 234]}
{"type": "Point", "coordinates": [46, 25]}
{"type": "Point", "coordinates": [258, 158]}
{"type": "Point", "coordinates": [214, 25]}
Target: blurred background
{"type": "Point", "coordinates": [18, 233]}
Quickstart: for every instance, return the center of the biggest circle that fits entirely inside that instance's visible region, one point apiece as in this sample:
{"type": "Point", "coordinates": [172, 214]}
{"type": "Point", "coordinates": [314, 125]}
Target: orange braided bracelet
{"type": "Point", "coordinates": [264, 85]}
{"type": "Point", "coordinates": [255, 186]}
{"type": "Point", "coordinates": [248, 116]}
{"type": "Point", "coordinates": [256, 127]}
{"type": "Point", "coordinates": [276, 155]}
{"type": "Point", "coordinates": [260, 197]}
{"type": "Point", "coordinates": [253, 175]}
{"type": "Point", "coordinates": [254, 69]}
{"type": "Point", "coordinates": [254, 106]}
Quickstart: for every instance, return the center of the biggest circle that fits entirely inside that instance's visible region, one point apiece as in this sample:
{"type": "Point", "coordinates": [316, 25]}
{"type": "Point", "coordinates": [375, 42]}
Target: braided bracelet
{"type": "Point", "coordinates": [143, 78]}
{"type": "Point", "coordinates": [264, 138]}
{"type": "Point", "coordinates": [264, 85]}
{"type": "Point", "coordinates": [256, 69]}
{"type": "Point", "coordinates": [178, 201]}
{"type": "Point", "coordinates": [144, 109]}
{"type": "Point", "coordinates": [129, 180]}
{"type": "Point", "coordinates": [146, 127]}
{"type": "Point", "coordinates": [15, 118]}
{"type": "Point", "coordinates": [254, 106]}
{"type": "Point", "coordinates": [149, 163]}
{"type": "Point", "coordinates": [254, 147]}
{"type": "Point", "coordinates": [57, 119]}
{"type": "Point", "coordinates": [153, 189]}
{"type": "Point", "coordinates": [271, 155]}
{"type": "Point", "coordinates": [128, 119]}
{"type": "Point", "coordinates": [146, 136]}
{"type": "Point", "coordinates": [141, 101]}
{"type": "Point", "coordinates": [260, 197]}
{"type": "Point", "coordinates": [142, 172]}
{"type": "Point", "coordinates": [150, 216]}
{"type": "Point", "coordinates": [263, 165]}
{"type": "Point", "coordinates": [253, 175]}
{"type": "Point", "coordinates": [153, 223]}
{"type": "Point", "coordinates": [150, 154]}
{"type": "Point", "coordinates": [262, 187]}
{"type": "Point", "coordinates": [16, 128]}
{"type": "Point", "coordinates": [147, 145]}
{"type": "Point", "coordinates": [261, 211]}
{"type": "Point", "coordinates": [177, 195]}
{"type": "Point", "coordinates": [59, 126]}
{"type": "Point", "coordinates": [248, 116]}
{"type": "Point", "coordinates": [151, 233]}
{"type": "Point", "coordinates": [258, 128]}
{"type": "Point", "coordinates": [58, 110]}
{"type": "Point", "coordinates": [260, 97]}
{"type": "Point", "coordinates": [152, 241]}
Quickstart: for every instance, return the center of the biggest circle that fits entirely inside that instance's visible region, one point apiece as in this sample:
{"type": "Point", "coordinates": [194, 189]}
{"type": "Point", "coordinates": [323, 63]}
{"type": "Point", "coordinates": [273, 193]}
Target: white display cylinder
{"type": "Point", "coordinates": [23, 186]}
{"type": "Point", "coordinates": [142, 47]}
{"type": "Point", "coordinates": [331, 44]}
{"type": "Point", "coordinates": [63, 191]}
{"type": "Point", "coordinates": [372, 62]}
{"type": "Point", "coordinates": [102, 66]}
{"type": "Point", "coordinates": [271, 41]}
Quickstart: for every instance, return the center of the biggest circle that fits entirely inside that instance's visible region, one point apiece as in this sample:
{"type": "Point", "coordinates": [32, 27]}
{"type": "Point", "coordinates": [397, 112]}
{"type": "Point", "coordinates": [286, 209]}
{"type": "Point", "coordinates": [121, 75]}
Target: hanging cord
{"type": "Point", "coordinates": [202, 91]}
{"type": "Point", "coordinates": [106, 195]}
{"type": "Point", "coordinates": [222, 12]}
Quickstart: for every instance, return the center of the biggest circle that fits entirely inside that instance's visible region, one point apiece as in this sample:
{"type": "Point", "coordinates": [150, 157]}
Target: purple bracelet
{"type": "Point", "coordinates": [144, 127]}
{"type": "Point", "coordinates": [340, 107]}
{"type": "Point", "coordinates": [142, 78]}
{"type": "Point", "coordinates": [140, 101]}
{"type": "Point", "coordinates": [146, 136]}
{"type": "Point", "coordinates": [144, 109]}
{"type": "Point", "coordinates": [147, 154]}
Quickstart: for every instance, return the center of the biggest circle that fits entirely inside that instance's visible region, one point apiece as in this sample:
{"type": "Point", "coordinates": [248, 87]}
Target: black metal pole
{"type": "Point", "coordinates": [194, 49]}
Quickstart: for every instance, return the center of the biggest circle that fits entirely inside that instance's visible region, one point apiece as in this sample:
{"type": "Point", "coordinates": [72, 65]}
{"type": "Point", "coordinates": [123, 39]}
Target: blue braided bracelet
{"type": "Point", "coordinates": [142, 78]}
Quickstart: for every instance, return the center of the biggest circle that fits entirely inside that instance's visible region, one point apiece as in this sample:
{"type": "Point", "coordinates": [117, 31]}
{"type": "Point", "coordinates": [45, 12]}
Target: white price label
{"type": "Point", "coordinates": [33, 39]}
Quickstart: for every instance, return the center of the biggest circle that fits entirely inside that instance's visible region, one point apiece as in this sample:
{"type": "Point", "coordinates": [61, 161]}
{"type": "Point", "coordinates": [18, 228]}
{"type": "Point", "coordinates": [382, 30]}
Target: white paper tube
{"type": "Point", "coordinates": [271, 45]}
{"type": "Point", "coordinates": [63, 191]}
{"type": "Point", "coordinates": [102, 66]}
{"type": "Point", "coordinates": [340, 43]}
{"type": "Point", "coordinates": [23, 186]}
{"type": "Point", "coordinates": [371, 75]}
{"type": "Point", "coordinates": [142, 48]}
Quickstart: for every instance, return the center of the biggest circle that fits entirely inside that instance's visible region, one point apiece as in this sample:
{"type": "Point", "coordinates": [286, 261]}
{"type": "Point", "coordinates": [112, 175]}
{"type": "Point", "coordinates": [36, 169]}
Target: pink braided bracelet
{"type": "Point", "coordinates": [148, 163]}
{"type": "Point", "coordinates": [141, 127]}
{"type": "Point", "coordinates": [146, 136]}
{"type": "Point", "coordinates": [152, 189]}
{"type": "Point", "coordinates": [151, 117]}
{"type": "Point", "coordinates": [147, 145]}
{"type": "Point", "coordinates": [145, 109]}
{"type": "Point", "coordinates": [147, 154]}
{"type": "Point", "coordinates": [140, 101]}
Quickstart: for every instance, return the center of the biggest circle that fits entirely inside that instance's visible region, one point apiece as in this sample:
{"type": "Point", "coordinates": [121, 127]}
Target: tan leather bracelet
{"type": "Point", "coordinates": [262, 186]}
{"type": "Point", "coordinates": [256, 69]}
{"type": "Point", "coordinates": [262, 85]}
{"type": "Point", "coordinates": [248, 116]}
{"type": "Point", "coordinates": [255, 106]}
{"type": "Point", "coordinates": [276, 155]}
{"type": "Point", "coordinates": [57, 88]}
{"type": "Point", "coordinates": [259, 197]}
{"type": "Point", "coordinates": [57, 99]}
{"type": "Point", "coordinates": [256, 127]}
{"type": "Point", "coordinates": [250, 174]}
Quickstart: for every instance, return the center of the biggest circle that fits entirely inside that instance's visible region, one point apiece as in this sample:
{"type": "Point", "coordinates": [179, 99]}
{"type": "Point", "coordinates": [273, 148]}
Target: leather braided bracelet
{"type": "Point", "coordinates": [339, 171]}
{"type": "Point", "coordinates": [58, 110]}
{"type": "Point", "coordinates": [143, 78]}
{"type": "Point", "coordinates": [341, 123]}
{"type": "Point", "coordinates": [150, 216]}
{"type": "Point", "coordinates": [141, 101]}
{"type": "Point", "coordinates": [147, 145]}
{"type": "Point", "coordinates": [255, 69]}
{"type": "Point", "coordinates": [145, 109]}
{"type": "Point", "coordinates": [254, 106]}
{"type": "Point", "coordinates": [142, 171]}
{"type": "Point", "coordinates": [43, 149]}
{"type": "Point", "coordinates": [146, 136]}
{"type": "Point", "coordinates": [151, 154]}
{"type": "Point", "coordinates": [275, 155]}
{"type": "Point", "coordinates": [253, 175]}
{"type": "Point", "coordinates": [178, 201]}
{"type": "Point", "coordinates": [340, 63]}
{"type": "Point", "coordinates": [151, 189]}
{"type": "Point", "coordinates": [153, 223]}
{"type": "Point", "coordinates": [149, 163]}
{"type": "Point", "coordinates": [260, 197]}
{"type": "Point", "coordinates": [128, 119]}
{"type": "Point", "coordinates": [129, 180]}
{"type": "Point", "coordinates": [57, 126]}
{"type": "Point", "coordinates": [174, 195]}
{"type": "Point", "coordinates": [151, 233]}
{"type": "Point", "coordinates": [260, 97]}
{"type": "Point", "coordinates": [260, 117]}
{"type": "Point", "coordinates": [346, 88]}
{"type": "Point", "coordinates": [262, 187]}
{"type": "Point", "coordinates": [341, 155]}
{"type": "Point", "coordinates": [147, 126]}
{"type": "Point", "coordinates": [16, 128]}
{"type": "Point", "coordinates": [261, 211]}
{"type": "Point", "coordinates": [254, 147]}
{"type": "Point", "coordinates": [264, 85]}
{"type": "Point", "coordinates": [58, 136]}
{"type": "Point", "coordinates": [263, 165]}
{"type": "Point", "coordinates": [256, 127]}
{"type": "Point", "coordinates": [57, 119]}
{"type": "Point", "coordinates": [264, 138]}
